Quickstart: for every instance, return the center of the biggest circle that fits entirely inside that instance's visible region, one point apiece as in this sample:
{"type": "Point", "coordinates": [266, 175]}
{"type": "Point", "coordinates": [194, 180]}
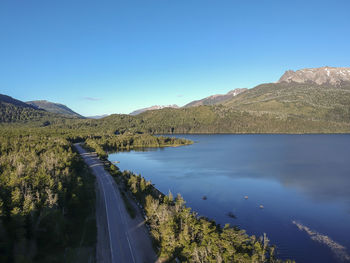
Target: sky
{"type": "Point", "coordinates": [104, 57]}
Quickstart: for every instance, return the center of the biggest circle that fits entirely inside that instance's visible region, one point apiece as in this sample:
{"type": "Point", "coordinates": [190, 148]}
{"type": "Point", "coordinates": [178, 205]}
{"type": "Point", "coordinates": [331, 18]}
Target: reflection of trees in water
{"type": "Point", "coordinates": [140, 149]}
{"type": "Point", "coordinates": [339, 250]}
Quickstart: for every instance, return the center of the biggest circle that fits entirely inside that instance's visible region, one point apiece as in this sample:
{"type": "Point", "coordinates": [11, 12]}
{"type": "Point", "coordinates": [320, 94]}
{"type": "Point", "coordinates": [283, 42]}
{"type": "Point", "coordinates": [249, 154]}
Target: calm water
{"type": "Point", "coordinates": [301, 178]}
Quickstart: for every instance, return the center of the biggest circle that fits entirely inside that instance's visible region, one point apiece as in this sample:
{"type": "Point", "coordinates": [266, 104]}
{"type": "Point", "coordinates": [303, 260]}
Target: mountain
{"type": "Point", "coordinates": [12, 110]}
{"type": "Point", "coordinates": [4, 99]}
{"type": "Point", "coordinates": [216, 99]}
{"type": "Point", "coordinates": [283, 107]}
{"type": "Point", "coordinates": [286, 106]}
{"type": "Point", "coordinates": [97, 116]}
{"type": "Point", "coordinates": [155, 107]}
{"type": "Point", "coordinates": [54, 107]}
{"type": "Point", "coordinates": [331, 75]}
{"type": "Point", "coordinates": [16, 111]}
{"type": "Point", "coordinates": [307, 101]}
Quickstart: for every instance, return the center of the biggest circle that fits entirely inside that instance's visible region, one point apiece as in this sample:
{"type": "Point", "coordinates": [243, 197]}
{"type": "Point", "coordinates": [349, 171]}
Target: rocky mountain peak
{"type": "Point", "coordinates": [323, 75]}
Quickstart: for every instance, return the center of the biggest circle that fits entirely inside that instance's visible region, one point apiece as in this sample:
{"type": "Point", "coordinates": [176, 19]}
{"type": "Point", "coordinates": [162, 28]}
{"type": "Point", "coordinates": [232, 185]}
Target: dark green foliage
{"type": "Point", "coordinates": [215, 119]}
{"type": "Point", "coordinates": [15, 111]}
{"type": "Point", "coordinates": [130, 141]}
{"type": "Point", "coordinates": [46, 199]}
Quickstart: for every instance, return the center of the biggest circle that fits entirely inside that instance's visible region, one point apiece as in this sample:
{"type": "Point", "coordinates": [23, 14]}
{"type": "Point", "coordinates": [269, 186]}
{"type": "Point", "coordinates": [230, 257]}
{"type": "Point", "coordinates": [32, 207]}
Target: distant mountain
{"type": "Point", "coordinates": [12, 110]}
{"type": "Point", "coordinates": [97, 116]}
{"type": "Point", "coordinates": [155, 107]}
{"type": "Point", "coordinates": [53, 107]}
{"type": "Point", "coordinates": [9, 100]}
{"type": "Point", "coordinates": [324, 75]}
{"type": "Point", "coordinates": [216, 99]}
{"type": "Point", "coordinates": [315, 102]}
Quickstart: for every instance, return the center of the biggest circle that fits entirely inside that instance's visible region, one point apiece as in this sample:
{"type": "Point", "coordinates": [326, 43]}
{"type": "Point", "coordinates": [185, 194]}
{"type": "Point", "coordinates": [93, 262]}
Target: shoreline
{"type": "Point", "coordinates": [141, 199]}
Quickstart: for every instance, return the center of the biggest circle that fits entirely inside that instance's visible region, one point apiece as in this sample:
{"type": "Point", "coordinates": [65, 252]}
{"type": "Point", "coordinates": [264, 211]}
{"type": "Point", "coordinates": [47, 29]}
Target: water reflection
{"type": "Point", "coordinates": [317, 165]}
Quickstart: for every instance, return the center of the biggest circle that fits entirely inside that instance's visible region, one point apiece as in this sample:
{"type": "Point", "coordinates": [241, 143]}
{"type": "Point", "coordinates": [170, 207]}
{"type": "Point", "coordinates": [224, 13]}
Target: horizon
{"type": "Point", "coordinates": [117, 57]}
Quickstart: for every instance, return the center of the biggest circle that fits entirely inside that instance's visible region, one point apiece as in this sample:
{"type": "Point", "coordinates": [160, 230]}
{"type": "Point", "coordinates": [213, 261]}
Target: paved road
{"type": "Point", "coordinates": [120, 238]}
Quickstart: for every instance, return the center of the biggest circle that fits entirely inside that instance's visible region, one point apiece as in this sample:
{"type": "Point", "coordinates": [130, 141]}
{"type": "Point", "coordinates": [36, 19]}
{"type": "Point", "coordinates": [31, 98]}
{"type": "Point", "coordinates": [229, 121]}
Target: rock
{"type": "Point", "coordinates": [324, 75]}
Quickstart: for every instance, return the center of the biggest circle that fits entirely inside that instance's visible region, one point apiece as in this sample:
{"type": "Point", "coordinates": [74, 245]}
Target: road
{"type": "Point", "coordinates": [120, 238]}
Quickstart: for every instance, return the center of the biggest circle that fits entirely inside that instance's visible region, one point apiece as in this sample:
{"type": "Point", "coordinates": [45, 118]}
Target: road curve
{"type": "Point", "coordinates": [126, 239]}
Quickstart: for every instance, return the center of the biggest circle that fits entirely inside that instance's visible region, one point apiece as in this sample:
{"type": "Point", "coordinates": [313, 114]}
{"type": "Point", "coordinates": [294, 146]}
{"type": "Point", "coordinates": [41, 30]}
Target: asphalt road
{"type": "Point", "coordinates": [120, 238]}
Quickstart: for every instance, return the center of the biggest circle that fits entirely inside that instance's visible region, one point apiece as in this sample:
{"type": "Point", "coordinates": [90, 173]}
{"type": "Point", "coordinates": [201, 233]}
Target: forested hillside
{"type": "Point", "coordinates": [16, 111]}
{"type": "Point", "coordinates": [267, 108]}
{"type": "Point", "coordinates": [46, 199]}
{"type": "Point", "coordinates": [306, 101]}
{"type": "Point", "coordinates": [54, 108]}
{"type": "Point", "coordinates": [213, 119]}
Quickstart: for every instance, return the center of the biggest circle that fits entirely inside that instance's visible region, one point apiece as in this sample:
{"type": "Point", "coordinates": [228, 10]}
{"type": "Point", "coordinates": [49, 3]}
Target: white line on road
{"type": "Point", "coordinates": [109, 233]}
{"type": "Point", "coordinates": [123, 216]}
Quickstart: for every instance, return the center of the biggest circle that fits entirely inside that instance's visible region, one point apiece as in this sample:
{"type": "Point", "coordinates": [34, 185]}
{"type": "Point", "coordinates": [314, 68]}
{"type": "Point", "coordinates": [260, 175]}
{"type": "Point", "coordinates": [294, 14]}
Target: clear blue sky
{"type": "Point", "coordinates": [116, 56]}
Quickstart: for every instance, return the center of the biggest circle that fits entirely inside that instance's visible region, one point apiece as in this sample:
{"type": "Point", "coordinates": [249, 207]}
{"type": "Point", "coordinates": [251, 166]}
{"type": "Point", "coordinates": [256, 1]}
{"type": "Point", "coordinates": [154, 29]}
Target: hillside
{"type": "Point", "coordinates": [54, 107]}
{"type": "Point", "coordinates": [16, 111]}
{"type": "Point", "coordinates": [215, 99]}
{"type": "Point", "coordinates": [12, 110]}
{"type": "Point", "coordinates": [9, 100]}
{"type": "Point", "coordinates": [306, 101]}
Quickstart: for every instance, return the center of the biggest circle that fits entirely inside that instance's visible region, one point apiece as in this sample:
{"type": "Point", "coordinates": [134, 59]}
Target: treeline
{"type": "Point", "coordinates": [29, 116]}
{"type": "Point", "coordinates": [47, 197]}
{"type": "Point", "coordinates": [13, 113]}
{"type": "Point", "coordinates": [178, 233]}
{"type": "Point", "coordinates": [129, 141]}
{"type": "Point", "coordinates": [212, 119]}
{"type": "Point", "coordinates": [267, 108]}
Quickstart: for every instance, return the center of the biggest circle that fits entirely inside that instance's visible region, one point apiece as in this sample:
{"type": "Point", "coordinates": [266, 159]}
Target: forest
{"type": "Point", "coordinates": [47, 193]}
{"type": "Point", "coordinates": [47, 199]}
{"type": "Point", "coordinates": [130, 141]}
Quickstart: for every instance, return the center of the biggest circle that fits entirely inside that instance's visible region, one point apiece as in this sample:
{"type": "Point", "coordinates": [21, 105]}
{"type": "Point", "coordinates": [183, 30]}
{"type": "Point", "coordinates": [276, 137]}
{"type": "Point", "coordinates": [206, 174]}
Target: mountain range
{"type": "Point", "coordinates": [211, 100]}
{"type": "Point", "coordinates": [307, 100]}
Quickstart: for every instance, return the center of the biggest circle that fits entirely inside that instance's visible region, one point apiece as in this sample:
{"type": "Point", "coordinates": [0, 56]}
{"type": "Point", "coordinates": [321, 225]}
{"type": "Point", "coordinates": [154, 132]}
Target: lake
{"type": "Point", "coordinates": [302, 182]}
